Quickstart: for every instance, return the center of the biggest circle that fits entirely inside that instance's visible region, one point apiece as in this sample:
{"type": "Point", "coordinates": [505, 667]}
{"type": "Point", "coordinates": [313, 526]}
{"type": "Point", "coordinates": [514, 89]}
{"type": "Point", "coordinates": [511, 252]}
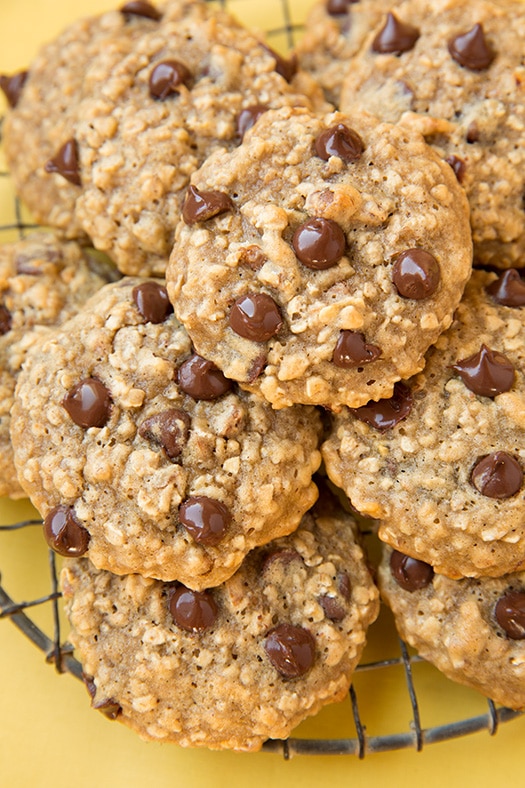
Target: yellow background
{"type": "Point", "coordinates": [49, 736]}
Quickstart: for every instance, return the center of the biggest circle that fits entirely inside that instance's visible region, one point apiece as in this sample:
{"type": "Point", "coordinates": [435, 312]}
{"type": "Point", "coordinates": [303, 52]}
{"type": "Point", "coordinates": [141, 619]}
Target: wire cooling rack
{"type": "Point", "coordinates": [398, 666]}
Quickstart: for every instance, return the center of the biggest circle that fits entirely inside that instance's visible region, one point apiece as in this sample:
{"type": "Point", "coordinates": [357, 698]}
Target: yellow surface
{"type": "Point", "coordinates": [49, 736]}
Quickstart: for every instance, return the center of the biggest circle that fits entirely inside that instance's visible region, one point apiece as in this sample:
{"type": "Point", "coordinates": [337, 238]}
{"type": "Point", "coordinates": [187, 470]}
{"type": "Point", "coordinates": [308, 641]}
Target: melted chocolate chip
{"type": "Point", "coordinates": [319, 243]}
{"type": "Point", "coordinates": [395, 37]}
{"type": "Point", "coordinates": [290, 649]}
{"type": "Point", "coordinates": [486, 372]}
{"type": "Point", "coordinates": [108, 707]}
{"type": "Point", "coordinates": [206, 519]}
{"type": "Point", "coordinates": [332, 608]}
{"type": "Point", "coordinates": [352, 350]}
{"type": "Point", "coordinates": [415, 274]}
{"type": "Point", "coordinates": [5, 320]}
{"type": "Point", "coordinates": [65, 163]}
{"type": "Point", "coordinates": [88, 403]}
{"type": "Point", "coordinates": [508, 289]}
{"type": "Point", "coordinates": [471, 49]}
{"type": "Point", "coordinates": [458, 165]}
{"type": "Point", "coordinates": [339, 7]}
{"type": "Point", "coordinates": [141, 8]}
{"type": "Point", "coordinates": [248, 117]}
{"type": "Point", "coordinates": [287, 68]}
{"type": "Point", "coordinates": [151, 299]}
{"type": "Point", "coordinates": [168, 429]}
{"type": "Point", "coordinates": [64, 533]}
{"type": "Point", "coordinates": [510, 614]}
{"type": "Point", "coordinates": [283, 557]}
{"type": "Point", "coordinates": [409, 573]}
{"type": "Point", "coordinates": [201, 379]}
{"type": "Point", "coordinates": [255, 316]}
{"type": "Point", "coordinates": [497, 475]}
{"type": "Point", "coordinates": [386, 413]}
{"type": "Point", "coordinates": [166, 78]}
{"type": "Point", "coordinates": [341, 141]}
{"type": "Point", "coordinates": [12, 86]}
{"type": "Point", "coordinates": [256, 367]}
{"type": "Point", "coordinates": [201, 206]}
{"type": "Point", "coordinates": [193, 611]}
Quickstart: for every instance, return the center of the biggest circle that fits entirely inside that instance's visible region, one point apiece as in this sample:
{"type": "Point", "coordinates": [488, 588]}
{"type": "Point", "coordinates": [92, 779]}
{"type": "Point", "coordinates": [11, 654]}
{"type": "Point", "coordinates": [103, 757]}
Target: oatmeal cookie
{"type": "Point", "coordinates": [455, 72]}
{"type": "Point", "coordinates": [473, 630]}
{"type": "Point", "coordinates": [237, 664]}
{"type": "Point", "coordinates": [142, 456]}
{"type": "Point", "coordinates": [43, 282]}
{"type": "Point", "coordinates": [441, 462]}
{"type": "Point", "coordinates": [318, 261]}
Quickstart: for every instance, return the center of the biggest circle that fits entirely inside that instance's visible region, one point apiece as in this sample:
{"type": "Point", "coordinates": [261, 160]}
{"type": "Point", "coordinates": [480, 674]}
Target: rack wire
{"type": "Point", "coordinates": [59, 653]}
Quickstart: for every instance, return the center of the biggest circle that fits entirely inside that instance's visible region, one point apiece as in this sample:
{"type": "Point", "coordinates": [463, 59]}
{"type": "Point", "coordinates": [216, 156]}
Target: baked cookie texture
{"type": "Point", "coordinates": [316, 262]}
{"type": "Point", "coordinates": [473, 630]}
{"type": "Point", "coordinates": [160, 94]}
{"type": "Point", "coordinates": [441, 463]}
{"type": "Point", "coordinates": [455, 72]}
{"type": "Point", "coordinates": [334, 33]}
{"type": "Point", "coordinates": [143, 457]}
{"type": "Point", "coordinates": [235, 665]}
{"type": "Point", "coordinates": [43, 282]}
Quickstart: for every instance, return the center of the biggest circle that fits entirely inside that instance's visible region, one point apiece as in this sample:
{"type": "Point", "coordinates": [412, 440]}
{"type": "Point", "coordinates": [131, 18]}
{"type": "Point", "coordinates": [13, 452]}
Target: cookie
{"type": "Point", "coordinates": [142, 456]}
{"type": "Point", "coordinates": [473, 630]}
{"type": "Point", "coordinates": [316, 262]}
{"type": "Point", "coordinates": [441, 462]}
{"type": "Point", "coordinates": [161, 93]}
{"type": "Point", "coordinates": [454, 71]}
{"type": "Point", "coordinates": [43, 282]}
{"type": "Point", "coordinates": [235, 665]}
{"type": "Point", "coordinates": [334, 33]}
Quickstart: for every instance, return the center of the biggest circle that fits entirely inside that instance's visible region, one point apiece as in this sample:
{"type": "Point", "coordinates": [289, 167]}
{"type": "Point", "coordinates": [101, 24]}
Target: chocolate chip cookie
{"type": "Point", "coordinates": [455, 72]}
{"type": "Point", "coordinates": [335, 31]}
{"type": "Point", "coordinates": [162, 90]}
{"type": "Point", "coordinates": [43, 282]}
{"type": "Point", "coordinates": [441, 462]}
{"type": "Point", "coordinates": [473, 630]}
{"type": "Point", "coordinates": [316, 262]}
{"type": "Point", "coordinates": [141, 455]}
{"type": "Point", "coordinates": [237, 664]}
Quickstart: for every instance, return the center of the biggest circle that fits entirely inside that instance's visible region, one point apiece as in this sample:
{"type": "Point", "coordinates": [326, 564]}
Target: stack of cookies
{"type": "Point", "coordinates": [294, 282]}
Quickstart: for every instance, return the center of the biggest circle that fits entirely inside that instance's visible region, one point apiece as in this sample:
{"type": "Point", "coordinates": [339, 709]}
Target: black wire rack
{"type": "Point", "coordinates": [289, 22]}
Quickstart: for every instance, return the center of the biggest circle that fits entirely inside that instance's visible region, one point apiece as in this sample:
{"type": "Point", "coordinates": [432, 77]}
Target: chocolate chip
{"type": "Point", "coordinates": [109, 707]}
{"type": "Point", "coordinates": [5, 320]}
{"type": "Point", "coordinates": [287, 68]}
{"type": "Point", "coordinates": [168, 429]}
{"type": "Point", "coordinates": [65, 163]}
{"type": "Point", "coordinates": [141, 8]}
{"type": "Point", "coordinates": [252, 256]}
{"type": "Point", "coordinates": [201, 206]}
{"type": "Point", "coordinates": [193, 611]}
{"type": "Point", "coordinates": [352, 350]}
{"type": "Point", "coordinates": [344, 585]}
{"type": "Point", "coordinates": [409, 573]}
{"type": "Point", "coordinates": [332, 608]}
{"type": "Point", "coordinates": [319, 243]}
{"type": "Point", "coordinates": [510, 614]}
{"type": "Point", "coordinates": [248, 117]}
{"type": "Point", "coordinates": [255, 316]}
{"type": "Point", "coordinates": [415, 274]}
{"type": "Point", "coordinates": [486, 372]}
{"type": "Point", "coordinates": [256, 367]}
{"type": "Point", "coordinates": [386, 413]}
{"type": "Point", "coordinates": [205, 519]}
{"type": "Point", "coordinates": [339, 7]}
{"type": "Point", "coordinates": [472, 134]}
{"type": "Point", "coordinates": [88, 403]}
{"type": "Point", "coordinates": [508, 289]}
{"type": "Point", "coordinates": [201, 379]}
{"type": "Point", "coordinates": [497, 475]}
{"type": "Point", "coordinates": [290, 649]}
{"type": "Point", "coordinates": [458, 165]}
{"type": "Point", "coordinates": [341, 141]}
{"type": "Point", "coordinates": [395, 37]}
{"type": "Point", "coordinates": [471, 49]}
{"type": "Point", "coordinates": [12, 86]}
{"type": "Point", "coordinates": [166, 78]}
{"type": "Point", "coordinates": [64, 533]}
{"type": "Point", "coordinates": [151, 299]}
{"type": "Point", "coordinates": [283, 557]}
